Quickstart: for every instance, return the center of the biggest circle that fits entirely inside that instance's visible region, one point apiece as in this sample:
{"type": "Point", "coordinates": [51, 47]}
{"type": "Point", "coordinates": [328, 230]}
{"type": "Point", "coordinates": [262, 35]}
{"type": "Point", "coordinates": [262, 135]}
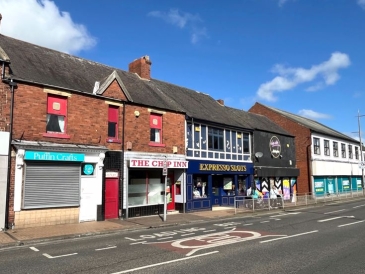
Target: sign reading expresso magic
{"type": "Point", "coordinates": [53, 156]}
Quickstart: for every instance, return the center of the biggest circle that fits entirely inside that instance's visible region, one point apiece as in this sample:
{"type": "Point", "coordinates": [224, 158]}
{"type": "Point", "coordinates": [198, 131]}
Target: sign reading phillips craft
{"type": "Point", "coordinates": [275, 147]}
{"type": "Point", "coordinates": [219, 167]}
{"type": "Point", "coordinates": [157, 163]}
{"type": "Point", "coordinates": [53, 156]}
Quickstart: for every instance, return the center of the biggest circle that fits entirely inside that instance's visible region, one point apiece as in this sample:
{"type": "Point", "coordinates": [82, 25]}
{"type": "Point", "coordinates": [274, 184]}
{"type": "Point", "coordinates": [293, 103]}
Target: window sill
{"type": "Point", "coordinates": [112, 140]}
{"type": "Point", "coordinates": [152, 144]}
{"type": "Point", "coordinates": [57, 135]}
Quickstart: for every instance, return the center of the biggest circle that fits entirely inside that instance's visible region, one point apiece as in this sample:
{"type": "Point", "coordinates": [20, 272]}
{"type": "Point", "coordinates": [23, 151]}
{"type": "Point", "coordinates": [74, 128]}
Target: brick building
{"type": "Point", "coordinates": [327, 159]}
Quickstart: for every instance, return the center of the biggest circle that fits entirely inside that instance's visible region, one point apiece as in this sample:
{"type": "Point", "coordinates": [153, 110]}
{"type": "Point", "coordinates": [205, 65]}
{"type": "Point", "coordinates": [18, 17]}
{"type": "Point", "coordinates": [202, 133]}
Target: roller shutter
{"type": "Point", "coordinates": [51, 184]}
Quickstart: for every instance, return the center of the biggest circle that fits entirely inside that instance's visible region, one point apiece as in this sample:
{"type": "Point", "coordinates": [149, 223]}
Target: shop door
{"type": "Point", "coordinates": [216, 191]}
{"type": "Point", "coordinates": [171, 195]}
{"type": "Point", "coordinates": [111, 198]}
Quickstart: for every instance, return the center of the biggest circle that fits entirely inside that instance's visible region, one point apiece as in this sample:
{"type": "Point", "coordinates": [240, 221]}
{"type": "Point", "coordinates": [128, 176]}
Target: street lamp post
{"type": "Point", "coordinates": [361, 156]}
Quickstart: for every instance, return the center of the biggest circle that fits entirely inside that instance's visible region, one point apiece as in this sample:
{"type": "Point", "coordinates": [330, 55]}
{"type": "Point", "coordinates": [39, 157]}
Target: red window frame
{"type": "Point", "coordinates": [113, 117]}
{"type": "Point", "coordinates": [62, 111]}
{"type": "Point", "coordinates": [156, 122]}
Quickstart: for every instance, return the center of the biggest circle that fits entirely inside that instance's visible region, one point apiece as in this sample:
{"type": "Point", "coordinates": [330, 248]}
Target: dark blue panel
{"type": "Point", "coordinates": [206, 203]}
{"type": "Point", "coordinates": [197, 204]}
{"type": "Point", "coordinates": [209, 167]}
{"type": "Point", "coordinates": [224, 200]}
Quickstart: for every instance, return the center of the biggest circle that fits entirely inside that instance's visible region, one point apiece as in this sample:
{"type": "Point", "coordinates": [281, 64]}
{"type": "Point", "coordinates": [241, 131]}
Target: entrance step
{"type": "Point", "coordinates": [173, 212]}
{"type": "Point", "coordinates": [216, 208]}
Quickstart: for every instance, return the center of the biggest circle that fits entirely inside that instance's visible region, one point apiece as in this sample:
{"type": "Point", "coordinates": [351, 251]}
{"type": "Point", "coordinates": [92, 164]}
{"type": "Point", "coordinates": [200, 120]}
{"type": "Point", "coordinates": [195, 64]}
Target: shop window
{"type": "Point", "coordinates": [87, 169]}
{"type": "Point", "coordinates": [228, 186]}
{"type": "Point", "coordinates": [246, 143]}
{"type": "Point", "coordinates": [113, 114]}
{"type": "Point", "coordinates": [178, 188]}
{"type": "Point", "coordinates": [343, 150]}
{"type": "Point", "coordinates": [327, 147]}
{"type": "Point", "coordinates": [155, 129]}
{"type": "Point", "coordinates": [357, 153]}
{"type": "Point", "coordinates": [56, 116]}
{"type": "Point", "coordinates": [316, 145]}
{"type": "Point", "coordinates": [335, 149]}
{"type": "Point", "coordinates": [200, 187]}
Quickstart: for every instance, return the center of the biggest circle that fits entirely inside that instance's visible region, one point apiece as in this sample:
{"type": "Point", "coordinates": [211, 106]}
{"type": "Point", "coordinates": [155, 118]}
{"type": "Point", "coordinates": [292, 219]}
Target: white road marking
{"type": "Point", "coordinates": [138, 243]}
{"type": "Point", "coordinates": [358, 206]}
{"type": "Point", "coordinates": [183, 235]}
{"type": "Point", "coordinates": [33, 248]}
{"type": "Point", "coordinates": [209, 230]}
{"type": "Point", "coordinates": [134, 240]}
{"type": "Point", "coordinates": [334, 218]}
{"type": "Point", "coordinates": [351, 223]}
{"type": "Point", "coordinates": [53, 257]}
{"type": "Point", "coordinates": [277, 219]}
{"type": "Point", "coordinates": [285, 214]}
{"type": "Point", "coordinates": [247, 224]}
{"type": "Point", "coordinates": [164, 238]}
{"type": "Point", "coordinates": [109, 247]}
{"type": "Point", "coordinates": [334, 211]}
{"type": "Point", "coordinates": [230, 227]}
{"type": "Point", "coordinates": [166, 262]}
{"type": "Point", "coordinates": [264, 222]}
{"type": "Point", "coordinates": [286, 237]}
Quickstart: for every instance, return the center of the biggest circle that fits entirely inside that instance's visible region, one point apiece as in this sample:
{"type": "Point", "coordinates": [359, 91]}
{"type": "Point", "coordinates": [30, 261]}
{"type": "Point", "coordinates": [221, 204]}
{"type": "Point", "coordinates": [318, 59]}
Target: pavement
{"type": "Point", "coordinates": [22, 236]}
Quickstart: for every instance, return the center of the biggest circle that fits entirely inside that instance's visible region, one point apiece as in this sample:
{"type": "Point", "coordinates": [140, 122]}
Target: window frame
{"type": "Point", "coordinates": [63, 101]}
{"type": "Point", "coordinates": [335, 149]}
{"type": "Point", "coordinates": [113, 118]}
{"type": "Point", "coordinates": [357, 153]}
{"type": "Point", "coordinates": [349, 147]}
{"type": "Point", "coordinates": [159, 117]}
{"type": "Point", "coordinates": [316, 146]}
{"type": "Point", "coordinates": [343, 150]}
{"type": "Point", "coordinates": [326, 145]}
{"type": "Point", "coordinates": [216, 136]}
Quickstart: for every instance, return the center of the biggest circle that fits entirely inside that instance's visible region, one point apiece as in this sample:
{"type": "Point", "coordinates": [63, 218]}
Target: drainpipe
{"type": "Point", "coordinates": [122, 170]}
{"type": "Point", "coordinates": [309, 163]}
{"type": "Point", "coordinates": [13, 86]}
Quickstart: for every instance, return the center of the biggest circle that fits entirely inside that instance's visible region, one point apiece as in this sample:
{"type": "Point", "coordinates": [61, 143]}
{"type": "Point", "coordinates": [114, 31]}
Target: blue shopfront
{"type": "Point", "coordinates": [214, 183]}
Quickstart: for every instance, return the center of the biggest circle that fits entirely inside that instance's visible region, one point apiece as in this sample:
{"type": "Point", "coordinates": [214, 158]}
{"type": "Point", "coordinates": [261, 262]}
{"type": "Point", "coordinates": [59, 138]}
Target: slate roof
{"type": "Point", "coordinates": [314, 126]}
{"type": "Point", "coordinates": [40, 65]}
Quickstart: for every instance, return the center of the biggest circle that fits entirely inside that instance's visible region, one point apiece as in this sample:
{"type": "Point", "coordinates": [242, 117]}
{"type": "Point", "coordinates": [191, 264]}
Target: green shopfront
{"type": "Point", "coordinates": [328, 185]}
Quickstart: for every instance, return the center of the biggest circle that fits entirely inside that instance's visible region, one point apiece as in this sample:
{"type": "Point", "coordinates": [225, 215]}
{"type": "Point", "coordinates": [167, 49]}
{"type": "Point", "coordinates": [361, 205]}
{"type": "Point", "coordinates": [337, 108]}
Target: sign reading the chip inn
{"type": "Point", "coordinates": [157, 163]}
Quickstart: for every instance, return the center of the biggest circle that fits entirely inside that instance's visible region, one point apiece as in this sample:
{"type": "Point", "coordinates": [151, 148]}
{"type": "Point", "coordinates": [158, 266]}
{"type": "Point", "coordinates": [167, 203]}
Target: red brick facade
{"type": "Point", "coordinates": [87, 122]}
{"type": "Point", "coordinates": [302, 143]}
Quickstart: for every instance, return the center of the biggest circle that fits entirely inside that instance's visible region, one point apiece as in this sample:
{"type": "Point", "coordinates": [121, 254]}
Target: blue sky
{"type": "Point", "coordinates": [302, 56]}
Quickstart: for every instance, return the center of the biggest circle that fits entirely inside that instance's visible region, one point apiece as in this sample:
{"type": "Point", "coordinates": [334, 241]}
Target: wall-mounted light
{"type": "Point", "coordinates": [136, 113]}
{"type": "Point", "coordinates": [174, 149]}
{"type": "Point", "coordinates": [20, 160]}
{"type": "Point", "coordinates": [101, 160]}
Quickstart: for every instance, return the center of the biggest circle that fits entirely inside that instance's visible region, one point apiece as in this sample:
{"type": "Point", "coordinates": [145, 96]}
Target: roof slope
{"type": "Point", "coordinates": [312, 125]}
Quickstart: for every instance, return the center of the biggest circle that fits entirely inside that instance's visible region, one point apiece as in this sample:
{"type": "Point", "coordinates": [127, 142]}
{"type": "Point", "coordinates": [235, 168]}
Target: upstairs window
{"type": "Point", "coordinates": [215, 139]}
{"type": "Point", "coordinates": [317, 148]}
{"type": "Point", "coordinates": [335, 149]}
{"type": "Point", "coordinates": [113, 112]}
{"type": "Point", "coordinates": [156, 128]}
{"type": "Point", "coordinates": [56, 115]}
{"type": "Point", "coordinates": [357, 153]}
{"type": "Point", "coordinates": [343, 150]}
{"type": "Point", "coordinates": [350, 151]}
{"type": "Point", "coordinates": [327, 147]}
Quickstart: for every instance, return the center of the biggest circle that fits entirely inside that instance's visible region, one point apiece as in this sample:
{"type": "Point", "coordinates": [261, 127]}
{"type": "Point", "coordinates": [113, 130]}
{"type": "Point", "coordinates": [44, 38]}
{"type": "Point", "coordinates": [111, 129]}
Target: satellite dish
{"type": "Point", "coordinates": [258, 154]}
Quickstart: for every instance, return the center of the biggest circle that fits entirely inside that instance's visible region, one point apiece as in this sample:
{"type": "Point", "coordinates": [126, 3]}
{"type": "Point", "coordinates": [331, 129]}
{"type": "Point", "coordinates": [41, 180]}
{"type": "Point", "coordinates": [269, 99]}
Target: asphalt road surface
{"type": "Point", "coordinates": [326, 239]}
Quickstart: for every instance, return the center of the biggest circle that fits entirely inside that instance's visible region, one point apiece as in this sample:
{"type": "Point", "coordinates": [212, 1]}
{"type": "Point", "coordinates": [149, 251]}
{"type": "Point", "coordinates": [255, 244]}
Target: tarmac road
{"type": "Point", "coordinates": [328, 239]}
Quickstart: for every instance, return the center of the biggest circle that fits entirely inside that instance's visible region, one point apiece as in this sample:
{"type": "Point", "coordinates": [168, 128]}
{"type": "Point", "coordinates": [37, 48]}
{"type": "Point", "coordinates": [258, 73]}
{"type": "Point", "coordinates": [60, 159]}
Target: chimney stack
{"type": "Point", "coordinates": [221, 102]}
{"type": "Point", "coordinates": [142, 67]}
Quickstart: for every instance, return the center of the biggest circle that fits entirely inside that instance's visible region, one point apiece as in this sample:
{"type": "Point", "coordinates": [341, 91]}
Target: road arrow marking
{"type": "Point", "coordinates": [33, 248]}
{"type": "Point", "coordinates": [334, 218]}
{"type": "Point", "coordinates": [54, 257]}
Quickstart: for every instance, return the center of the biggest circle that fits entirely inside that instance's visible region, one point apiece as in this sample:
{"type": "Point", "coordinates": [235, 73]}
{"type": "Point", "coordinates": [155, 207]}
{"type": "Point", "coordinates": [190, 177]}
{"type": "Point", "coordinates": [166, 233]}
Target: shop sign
{"type": "Point", "coordinates": [218, 167]}
{"type": "Point", "coordinates": [53, 156]}
{"type": "Point", "coordinates": [157, 163]}
{"type": "Point", "coordinates": [112, 174]}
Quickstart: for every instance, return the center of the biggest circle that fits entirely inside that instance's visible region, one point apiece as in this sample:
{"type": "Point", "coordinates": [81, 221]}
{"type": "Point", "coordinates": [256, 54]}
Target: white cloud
{"type": "Point", "coordinates": [311, 114]}
{"type": "Point", "coordinates": [361, 3]}
{"type": "Point", "coordinates": [182, 20]}
{"type": "Point", "coordinates": [42, 23]}
{"type": "Point", "coordinates": [324, 74]}
{"type": "Point", "coordinates": [282, 2]}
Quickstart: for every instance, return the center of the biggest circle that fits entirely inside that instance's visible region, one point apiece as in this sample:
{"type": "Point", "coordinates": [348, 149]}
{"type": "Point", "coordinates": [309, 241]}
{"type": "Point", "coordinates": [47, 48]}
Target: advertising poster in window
{"type": "Point", "coordinates": [293, 183]}
{"type": "Point", "coordinates": [286, 188]}
{"type": "Point", "coordinates": [346, 184]}
{"type": "Point", "coordinates": [319, 187]}
{"type": "Point", "coordinates": [227, 183]}
{"type": "Point", "coordinates": [330, 186]}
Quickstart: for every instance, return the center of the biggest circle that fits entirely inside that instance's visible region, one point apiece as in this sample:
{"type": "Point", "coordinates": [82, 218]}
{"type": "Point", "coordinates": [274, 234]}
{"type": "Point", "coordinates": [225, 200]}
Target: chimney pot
{"type": "Point", "coordinates": [142, 67]}
{"type": "Point", "coordinates": [221, 101]}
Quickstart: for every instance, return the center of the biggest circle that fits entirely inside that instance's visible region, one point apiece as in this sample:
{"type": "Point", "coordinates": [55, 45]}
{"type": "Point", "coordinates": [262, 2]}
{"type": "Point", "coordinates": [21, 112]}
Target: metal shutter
{"type": "Point", "coordinates": [51, 184]}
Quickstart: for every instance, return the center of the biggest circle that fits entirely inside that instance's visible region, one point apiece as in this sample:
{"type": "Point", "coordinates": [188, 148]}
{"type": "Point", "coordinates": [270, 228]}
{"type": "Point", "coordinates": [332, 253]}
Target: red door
{"type": "Point", "coordinates": [111, 198]}
{"type": "Point", "coordinates": [171, 195]}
